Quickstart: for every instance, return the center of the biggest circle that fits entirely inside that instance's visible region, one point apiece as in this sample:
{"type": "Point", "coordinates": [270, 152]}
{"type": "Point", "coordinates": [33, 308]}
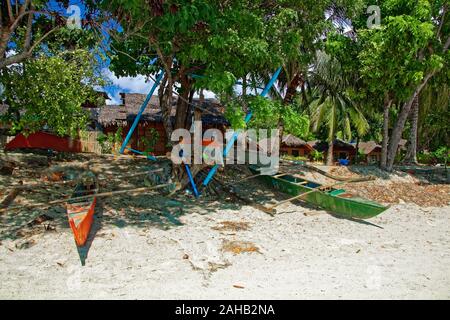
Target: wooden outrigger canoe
{"type": "Point", "coordinates": [81, 213]}
{"type": "Point", "coordinates": [336, 201]}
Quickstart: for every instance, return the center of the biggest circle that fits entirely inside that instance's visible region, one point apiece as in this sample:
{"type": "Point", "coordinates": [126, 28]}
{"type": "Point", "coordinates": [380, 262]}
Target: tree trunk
{"type": "Point", "coordinates": [398, 130]}
{"type": "Point", "coordinates": [384, 146]}
{"type": "Point", "coordinates": [400, 124]}
{"type": "Point", "coordinates": [357, 149]}
{"type": "Point", "coordinates": [4, 39]}
{"type": "Point", "coordinates": [305, 99]}
{"type": "Point", "coordinates": [183, 103]}
{"type": "Point", "coordinates": [165, 94]}
{"type": "Point", "coordinates": [411, 154]}
{"type": "Point", "coordinates": [330, 158]}
{"type": "Point", "coordinates": [292, 88]}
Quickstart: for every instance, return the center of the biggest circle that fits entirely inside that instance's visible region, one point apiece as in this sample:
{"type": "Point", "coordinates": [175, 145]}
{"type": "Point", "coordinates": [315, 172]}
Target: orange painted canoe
{"type": "Point", "coordinates": [81, 213]}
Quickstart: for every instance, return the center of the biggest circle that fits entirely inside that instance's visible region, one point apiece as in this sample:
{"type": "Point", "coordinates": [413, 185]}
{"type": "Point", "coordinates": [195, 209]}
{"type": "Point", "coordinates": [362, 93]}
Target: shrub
{"type": "Point", "coordinates": [110, 143]}
{"type": "Point", "coordinates": [317, 156]}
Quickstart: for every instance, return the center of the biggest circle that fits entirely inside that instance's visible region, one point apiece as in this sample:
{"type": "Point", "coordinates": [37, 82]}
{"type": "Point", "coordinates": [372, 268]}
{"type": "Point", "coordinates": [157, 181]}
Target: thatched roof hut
{"type": "Point", "coordinates": [124, 114]}
{"type": "Point", "coordinates": [292, 141]}
{"type": "Point", "coordinates": [369, 147]}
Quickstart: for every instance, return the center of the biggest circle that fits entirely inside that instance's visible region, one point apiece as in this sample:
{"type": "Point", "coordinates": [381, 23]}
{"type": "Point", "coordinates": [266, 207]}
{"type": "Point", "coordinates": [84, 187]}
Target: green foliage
{"type": "Point", "coordinates": [332, 106]}
{"type": "Point", "coordinates": [425, 158]}
{"type": "Point", "coordinates": [110, 143]}
{"type": "Point", "coordinates": [148, 143]}
{"type": "Point", "coordinates": [395, 58]}
{"type": "Point", "coordinates": [294, 123]}
{"type": "Point", "coordinates": [49, 92]}
{"type": "Point", "coordinates": [267, 114]}
{"type": "Point", "coordinates": [235, 115]}
{"type": "Point", "coordinates": [442, 154]}
{"type": "Point", "coordinates": [317, 156]}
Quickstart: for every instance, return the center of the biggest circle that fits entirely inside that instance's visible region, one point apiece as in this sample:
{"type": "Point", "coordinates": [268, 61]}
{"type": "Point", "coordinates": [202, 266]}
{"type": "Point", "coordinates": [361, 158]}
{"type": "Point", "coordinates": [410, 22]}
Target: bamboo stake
{"type": "Point", "coordinates": [99, 195]}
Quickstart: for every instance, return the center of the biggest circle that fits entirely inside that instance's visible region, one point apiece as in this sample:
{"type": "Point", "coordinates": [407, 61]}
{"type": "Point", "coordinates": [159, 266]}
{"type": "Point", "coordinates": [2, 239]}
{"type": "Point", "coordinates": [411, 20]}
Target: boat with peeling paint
{"type": "Point", "coordinates": [337, 201]}
{"type": "Point", "coordinates": [81, 212]}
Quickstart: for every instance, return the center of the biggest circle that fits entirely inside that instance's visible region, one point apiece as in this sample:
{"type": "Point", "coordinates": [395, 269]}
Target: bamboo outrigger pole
{"type": "Point", "coordinates": [141, 111]}
{"type": "Point", "coordinates": [72, 182]}
{"type": "Point", "coordinates": [98, 195]}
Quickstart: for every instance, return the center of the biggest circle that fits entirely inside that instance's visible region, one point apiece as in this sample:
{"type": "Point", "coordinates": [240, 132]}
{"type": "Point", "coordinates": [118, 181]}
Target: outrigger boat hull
{"type": "Point", "coordinates": [81, 214]}
{"type": "Point", "coordinates": [336, 201]}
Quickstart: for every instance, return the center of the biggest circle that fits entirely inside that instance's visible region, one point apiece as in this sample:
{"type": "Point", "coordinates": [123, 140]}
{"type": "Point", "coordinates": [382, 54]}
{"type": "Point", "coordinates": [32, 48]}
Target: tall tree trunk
{"type": "Point", "coordinates": [398, 129]}
{"type": "Point", "coordinates": [191, 110]}
{"type": "Point", "coordinates": [384, 147]}
{"type": "Point", "coordinates": [400, 124]}
{"type": "Point", "coordinates": [183, 103]}
{"type": "Point", "coordinates": [330, 158]}
{"type": "Point", "coordinates": [292, 88]}
{"type": "Point", "coordinates": [165, 94]}
{"type": "Point", "coordinates": [305, 99]}
{"type": "Point", "coordinates": [411, 154]}
{"type": "Point", "coordinates": [357, 149]}
{"type": "Point", "coordinates": [244, 86]}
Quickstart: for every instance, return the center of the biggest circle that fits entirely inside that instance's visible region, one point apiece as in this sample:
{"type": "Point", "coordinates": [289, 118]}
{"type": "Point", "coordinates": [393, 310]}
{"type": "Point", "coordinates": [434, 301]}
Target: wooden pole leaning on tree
{"type": "Point", "coordinates": [99, 195]}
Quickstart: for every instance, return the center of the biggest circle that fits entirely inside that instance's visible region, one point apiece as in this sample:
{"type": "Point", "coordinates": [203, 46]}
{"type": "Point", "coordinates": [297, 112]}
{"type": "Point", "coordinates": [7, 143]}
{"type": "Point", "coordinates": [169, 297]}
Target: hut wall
{"type": "Point", "coordinates": [343, 153]}
{"type": "Point", "coordinates": [373, 157]}
{"type": "Point", "coordinates": [89, 142]}
{"type": "Point", "coordinates": [301, 151]}
{"type": "Point", "coordinates": [144, 130]}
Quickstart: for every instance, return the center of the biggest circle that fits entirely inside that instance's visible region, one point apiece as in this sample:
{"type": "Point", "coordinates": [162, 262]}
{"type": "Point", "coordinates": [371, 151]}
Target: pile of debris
{"type": "Point", "coordinates": [395, 193]}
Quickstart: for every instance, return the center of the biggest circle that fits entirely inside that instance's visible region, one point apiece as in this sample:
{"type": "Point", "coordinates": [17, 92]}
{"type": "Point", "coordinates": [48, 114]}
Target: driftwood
{"type": "Point", "coordinates": [7, 167]}
{"type": "Point", "coordinates": [74, 182]}
{"type": "Point", "coordinates": [10, 198]}
{"type": "Point", "coordinates": [329, 175]}
{"type": "Point", "coordinates": [99, 195]}
{"type": "Point", "coordinates": [337, 178]}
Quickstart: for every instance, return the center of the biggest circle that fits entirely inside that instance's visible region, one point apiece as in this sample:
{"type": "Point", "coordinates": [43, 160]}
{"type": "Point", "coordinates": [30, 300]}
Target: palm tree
{"type": "Point", "coordinates": [432, 100]}
{"type": "Point", "coordinates": [331, 105]}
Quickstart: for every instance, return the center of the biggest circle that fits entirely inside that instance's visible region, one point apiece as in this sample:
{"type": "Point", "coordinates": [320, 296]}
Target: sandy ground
{"type": "Point", "coordinates": [403, 254]}
{"type": "Point", "coordinates": [178, 249]}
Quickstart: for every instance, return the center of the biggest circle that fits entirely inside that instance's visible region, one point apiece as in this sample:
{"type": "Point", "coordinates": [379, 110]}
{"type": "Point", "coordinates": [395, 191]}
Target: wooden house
{"type": "Point", "coordinates": [341, 149]}
{"type": "Point", "coordinates": [296, 147]}
{"type": "Point", "coordinates": [112, 117]}
{"type": "Point", "coordinates": [371, 151]}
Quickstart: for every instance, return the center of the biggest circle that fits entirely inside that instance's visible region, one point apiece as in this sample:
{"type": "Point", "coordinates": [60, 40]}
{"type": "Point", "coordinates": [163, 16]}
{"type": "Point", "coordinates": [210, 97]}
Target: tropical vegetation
{"type": "Point", "coordinates": [346, 72]}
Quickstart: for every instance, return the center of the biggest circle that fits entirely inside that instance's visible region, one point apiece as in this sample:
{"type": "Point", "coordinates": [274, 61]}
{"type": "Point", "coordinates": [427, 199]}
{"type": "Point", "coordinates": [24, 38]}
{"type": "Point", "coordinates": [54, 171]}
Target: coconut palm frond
{"type": "Point", "coordinates": [331, 121]}
{"type": "Point", "coordinates": [329, 84]}
{"type": "Point", "coordinates": [359, 121]}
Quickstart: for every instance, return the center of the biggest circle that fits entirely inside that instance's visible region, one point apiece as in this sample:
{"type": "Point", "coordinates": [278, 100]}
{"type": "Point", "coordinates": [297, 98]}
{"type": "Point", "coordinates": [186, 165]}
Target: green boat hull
{"type": "Point", "coordinates": [336, 201]}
